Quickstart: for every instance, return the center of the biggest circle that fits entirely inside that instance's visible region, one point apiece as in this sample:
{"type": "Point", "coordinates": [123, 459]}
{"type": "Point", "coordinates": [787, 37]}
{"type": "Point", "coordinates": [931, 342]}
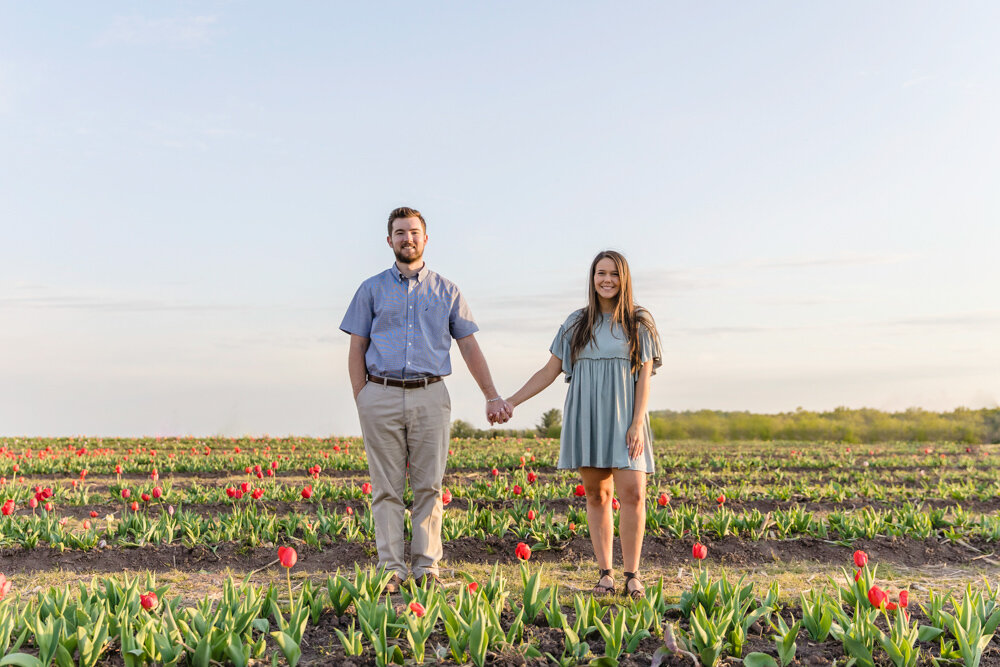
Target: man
{"type": "Point", "coordinates": [401, 323]}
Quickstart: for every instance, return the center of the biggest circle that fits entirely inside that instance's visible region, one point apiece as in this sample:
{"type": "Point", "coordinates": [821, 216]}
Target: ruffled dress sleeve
{"type": "Point", "coordinates": [649, 347]}
{"type": "Point", "coordinates": [561, 345]}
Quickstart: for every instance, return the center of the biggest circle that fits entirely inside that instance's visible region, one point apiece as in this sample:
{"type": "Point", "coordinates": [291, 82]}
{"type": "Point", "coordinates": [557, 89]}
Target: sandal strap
{"type": "Point", "coordinates": [605, 573]}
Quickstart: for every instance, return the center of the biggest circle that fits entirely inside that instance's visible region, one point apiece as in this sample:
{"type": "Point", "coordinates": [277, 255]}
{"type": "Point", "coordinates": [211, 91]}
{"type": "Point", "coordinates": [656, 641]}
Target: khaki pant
{"type": "Point", "coordinates": [401, 425]}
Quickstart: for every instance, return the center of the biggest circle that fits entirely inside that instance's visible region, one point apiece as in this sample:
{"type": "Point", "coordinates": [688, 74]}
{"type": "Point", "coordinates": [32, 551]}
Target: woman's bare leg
{"type": "Point", "coordinates": [599, 485]}
{"type": "Point", "coordinates": [631, 488]}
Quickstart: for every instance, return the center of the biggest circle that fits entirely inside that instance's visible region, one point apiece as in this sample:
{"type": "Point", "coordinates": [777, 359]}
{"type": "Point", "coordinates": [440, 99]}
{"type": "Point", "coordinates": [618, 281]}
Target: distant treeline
{"type": "Point", "coordinates": [842, 424]}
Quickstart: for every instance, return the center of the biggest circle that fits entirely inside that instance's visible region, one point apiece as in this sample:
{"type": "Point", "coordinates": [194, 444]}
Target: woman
{"type": "Point", "coordinates": [608, 352]}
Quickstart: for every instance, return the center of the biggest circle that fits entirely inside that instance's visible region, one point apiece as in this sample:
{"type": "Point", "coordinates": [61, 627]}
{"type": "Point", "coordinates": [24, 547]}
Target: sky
{"type": "Point", "coordinates": [191, 193]}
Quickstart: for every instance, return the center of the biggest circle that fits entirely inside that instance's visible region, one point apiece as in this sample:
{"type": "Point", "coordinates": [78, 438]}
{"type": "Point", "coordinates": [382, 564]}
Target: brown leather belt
{"type": "Point", "coordinates": [405, 384]}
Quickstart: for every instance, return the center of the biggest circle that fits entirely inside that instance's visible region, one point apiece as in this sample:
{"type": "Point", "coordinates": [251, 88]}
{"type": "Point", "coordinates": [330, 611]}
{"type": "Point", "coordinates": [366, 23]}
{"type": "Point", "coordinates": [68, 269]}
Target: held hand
{"type": "Point", "coordinates": [499, 412]}
{"type": "Point", "coordinates": [494, 412]}
{"type": "Point", "coordinates": [634, 439]}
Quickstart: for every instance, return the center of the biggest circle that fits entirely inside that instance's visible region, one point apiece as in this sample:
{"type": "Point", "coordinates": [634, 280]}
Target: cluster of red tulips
{"type": "Point", "coordinates": [876, 596]}
{"type": "Point", "coordinates": [237, 492]}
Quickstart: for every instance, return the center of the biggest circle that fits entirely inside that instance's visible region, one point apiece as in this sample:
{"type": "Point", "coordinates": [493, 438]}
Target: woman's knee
{"type": "Point", "coordinates": [632, 495]}
{"type": "Point", "coordinates": [600, 497]}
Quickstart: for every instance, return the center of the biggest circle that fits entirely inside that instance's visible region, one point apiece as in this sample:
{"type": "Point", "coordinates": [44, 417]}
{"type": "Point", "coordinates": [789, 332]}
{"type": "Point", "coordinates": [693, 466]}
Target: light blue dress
{"type": "Point", "coordinates": [601, 397]}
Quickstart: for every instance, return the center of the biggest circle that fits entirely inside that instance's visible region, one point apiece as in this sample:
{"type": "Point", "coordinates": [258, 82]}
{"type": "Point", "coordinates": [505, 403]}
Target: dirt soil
{"type": "Point", "coordinates": [657, 552]}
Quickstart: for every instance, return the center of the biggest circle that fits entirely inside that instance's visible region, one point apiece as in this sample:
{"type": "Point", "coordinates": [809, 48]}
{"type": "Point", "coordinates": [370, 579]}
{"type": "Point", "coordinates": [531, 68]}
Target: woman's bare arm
{"type": "Point", "coordinates": [545, 376]}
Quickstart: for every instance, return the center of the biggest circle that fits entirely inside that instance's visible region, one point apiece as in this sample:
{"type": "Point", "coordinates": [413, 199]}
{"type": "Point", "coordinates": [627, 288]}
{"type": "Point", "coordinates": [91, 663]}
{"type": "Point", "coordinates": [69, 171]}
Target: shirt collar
{"type": "Point", "coordinates": [421, 274]}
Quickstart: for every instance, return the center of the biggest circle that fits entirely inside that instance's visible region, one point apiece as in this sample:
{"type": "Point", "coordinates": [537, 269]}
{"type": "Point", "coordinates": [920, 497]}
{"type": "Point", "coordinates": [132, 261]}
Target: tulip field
{"type": "Point", "coordinates": [219, 551]}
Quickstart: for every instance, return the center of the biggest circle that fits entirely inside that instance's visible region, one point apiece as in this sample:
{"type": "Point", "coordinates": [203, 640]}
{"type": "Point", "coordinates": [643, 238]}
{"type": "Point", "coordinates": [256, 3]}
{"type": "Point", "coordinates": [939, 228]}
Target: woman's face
{"type": "Point", "coordinates": [607, 282]}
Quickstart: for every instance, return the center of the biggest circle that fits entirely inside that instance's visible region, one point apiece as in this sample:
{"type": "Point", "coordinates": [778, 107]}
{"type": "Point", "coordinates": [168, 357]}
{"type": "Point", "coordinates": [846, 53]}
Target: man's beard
{"type": "Point", "coordinates": [407, 260]}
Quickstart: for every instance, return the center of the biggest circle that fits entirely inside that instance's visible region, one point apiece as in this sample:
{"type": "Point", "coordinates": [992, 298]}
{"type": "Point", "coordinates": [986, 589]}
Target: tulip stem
{"type": "Point", "coordinates": [291, 602]}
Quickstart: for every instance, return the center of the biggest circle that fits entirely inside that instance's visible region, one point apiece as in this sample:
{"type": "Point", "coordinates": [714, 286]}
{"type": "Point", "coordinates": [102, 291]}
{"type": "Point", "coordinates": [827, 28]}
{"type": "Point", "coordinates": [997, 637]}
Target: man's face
{"type": "Point", "coordinates": [407, 240]}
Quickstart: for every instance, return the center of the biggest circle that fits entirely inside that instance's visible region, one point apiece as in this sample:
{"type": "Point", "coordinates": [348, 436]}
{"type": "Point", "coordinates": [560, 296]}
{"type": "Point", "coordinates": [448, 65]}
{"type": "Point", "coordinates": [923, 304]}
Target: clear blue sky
{"type": "Point", "coordinates": [190, 193]}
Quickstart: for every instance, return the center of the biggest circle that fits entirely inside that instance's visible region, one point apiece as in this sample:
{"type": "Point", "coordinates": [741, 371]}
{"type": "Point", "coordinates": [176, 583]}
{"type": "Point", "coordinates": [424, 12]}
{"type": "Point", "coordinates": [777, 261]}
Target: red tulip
{"type": "Point", "coordinates": [33, 503]}
{"type": "Point", "coordinates": [257, 493]}
{"type": "Point", "coordinates": [366, 488]}
{"type": "Point", "coordinates": [148, 601]}
{"type": "Point", "coordinates": [125, 494]}
{"type": "Point", "coordinates": [157, 492]}
{"type": "Point", "coordinates": [230, 491]}
{"type": "Point", "coordinates": [699, 551]}
{"type": "Point", "coordinates": [245, 487]}
{"type": "Point", "coordinates": [860, 558]}
{"type": "Point", "coordinates": [877, 596]}
{"type": "Point", "coordinates": [494, 472]}
{"type": "Point", "coordinates": [307, 492]}
{"type": "Point", "coordinates": [48, 507]}
{"type": "Point", "coordinates": [531, 515]}
{"type": "Point", "coordinates": [135, 506]}
{"type": "Point", "coordinates": [145, 497]}
{"type": "Point", "coordinates": [572, 526]}
{"type": "Point", "coordinates": [118, 469]}
{"type": "Point", "coordinates": [522, 551]}
{"type": "Point", "coordinates": [890, 606]}
{"type": "Point", "coordinates": [473, 587]}
{"type": "Point", "coordinates": [4, 586]}
{"type": "Point", "coordinates": [86, 524]}
{"type": "Point", "coordinates": [721, 498]}
{"type": "Point", "coordinates": [445, 497]}
{"type": "Point", "coordinates": [417, 609]}
{"type": "Point", "coordinates": [288, 556]}
{"type": "Point", "coordinates": [532, 477]}
{"type": "Point", "coordinates": [8, 508]}
{"type": "Point", "coordinates": [580, 491]}
{"type": "Point", "coordinates": [857, 575]}
{"type": "Point", "coordinates": [615, 504]}
{"type": "Point", "coordinates": [93, 514]}
{"type": "Point", "coordinates": [517, 490]}
{"type": "Point", "coordinates": [904, 598]}
{"type": "Point", "coordinates": [349, 510]}
{"type": "Point", "coordinates": [663, 500]}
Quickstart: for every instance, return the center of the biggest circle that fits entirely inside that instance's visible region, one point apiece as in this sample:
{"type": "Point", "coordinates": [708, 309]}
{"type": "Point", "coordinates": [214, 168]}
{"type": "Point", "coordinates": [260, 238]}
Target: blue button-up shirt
{"type": "Point", "coordinates": [410, 323]}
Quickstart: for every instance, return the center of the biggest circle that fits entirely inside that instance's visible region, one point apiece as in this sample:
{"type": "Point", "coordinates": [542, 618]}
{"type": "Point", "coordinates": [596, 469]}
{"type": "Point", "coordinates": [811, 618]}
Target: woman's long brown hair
{"type": "Point", "coordinates": [627, 314]}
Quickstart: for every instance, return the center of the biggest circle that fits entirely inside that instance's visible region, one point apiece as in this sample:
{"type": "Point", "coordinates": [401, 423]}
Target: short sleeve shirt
{"type": "Point", "coordinates": [410, 323]}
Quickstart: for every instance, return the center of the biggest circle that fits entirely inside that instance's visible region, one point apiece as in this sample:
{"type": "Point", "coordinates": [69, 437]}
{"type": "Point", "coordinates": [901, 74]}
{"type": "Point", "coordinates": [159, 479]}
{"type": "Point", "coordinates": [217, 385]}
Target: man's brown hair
{"type": "Point", "coordinates": [406, 212]}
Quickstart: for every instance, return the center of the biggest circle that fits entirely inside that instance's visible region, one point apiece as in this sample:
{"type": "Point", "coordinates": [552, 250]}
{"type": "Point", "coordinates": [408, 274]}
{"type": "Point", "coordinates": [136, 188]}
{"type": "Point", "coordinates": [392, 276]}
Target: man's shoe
{"type": "Point", "coordinates": [395, 583]}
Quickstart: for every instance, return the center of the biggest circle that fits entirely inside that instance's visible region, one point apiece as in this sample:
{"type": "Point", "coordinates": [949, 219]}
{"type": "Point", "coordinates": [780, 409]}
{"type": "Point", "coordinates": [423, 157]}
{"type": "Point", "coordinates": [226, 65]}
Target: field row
{"type": "Point", "coordinates": [255, 524]}
{"type": "Point", "coordinates": [848, 617]}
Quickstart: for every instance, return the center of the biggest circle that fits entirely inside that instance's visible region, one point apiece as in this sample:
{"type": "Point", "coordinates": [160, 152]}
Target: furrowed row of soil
{"type": "Point", "coordinates": [660, 552]}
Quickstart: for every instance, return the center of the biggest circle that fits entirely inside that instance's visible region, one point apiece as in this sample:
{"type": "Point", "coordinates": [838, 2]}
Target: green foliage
{"type": "Point", "coordinates": [842, 424]}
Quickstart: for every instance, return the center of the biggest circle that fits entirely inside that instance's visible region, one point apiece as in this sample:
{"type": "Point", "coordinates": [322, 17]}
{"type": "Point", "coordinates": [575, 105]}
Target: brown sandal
{"type": "Point", "coordinates": [604, 590]}
{"type": "Point", "coordinates": [636, 593]}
